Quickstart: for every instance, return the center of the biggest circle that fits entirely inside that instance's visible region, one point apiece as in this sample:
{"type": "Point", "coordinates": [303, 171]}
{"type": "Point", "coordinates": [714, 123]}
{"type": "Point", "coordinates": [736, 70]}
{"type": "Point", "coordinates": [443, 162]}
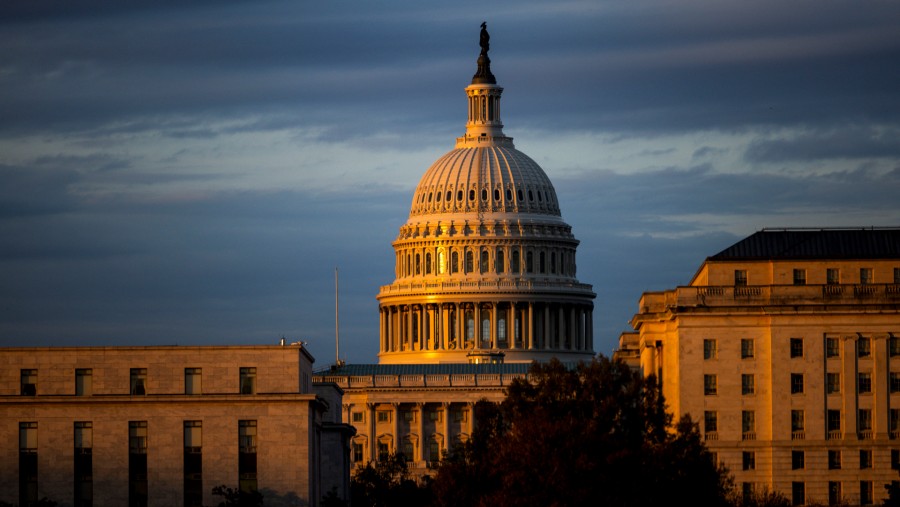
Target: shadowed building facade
{"type": "Point", "coordinates": [785, 347]}
{"type": "Point", "coordinates": [162, 426]}
{"type": "Point", "coordinates": [485, 283]}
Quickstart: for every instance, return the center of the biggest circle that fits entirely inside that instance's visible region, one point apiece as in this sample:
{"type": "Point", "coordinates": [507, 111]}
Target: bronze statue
{"type": "Point", "coordinates": [485, 41]}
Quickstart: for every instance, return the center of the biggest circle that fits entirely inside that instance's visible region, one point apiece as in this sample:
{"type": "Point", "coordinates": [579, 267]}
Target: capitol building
{"type": "Point", "coordinates": [485, 283]}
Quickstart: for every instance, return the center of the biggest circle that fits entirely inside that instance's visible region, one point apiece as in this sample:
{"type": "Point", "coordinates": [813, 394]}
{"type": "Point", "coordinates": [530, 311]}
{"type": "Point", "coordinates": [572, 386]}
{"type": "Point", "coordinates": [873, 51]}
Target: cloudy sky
{"type": "Point", "coordinates": [193, 172]}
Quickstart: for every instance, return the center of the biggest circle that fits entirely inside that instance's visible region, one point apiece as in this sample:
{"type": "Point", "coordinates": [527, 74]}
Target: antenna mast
{"type": "Point", "coordinates": [337, 339]}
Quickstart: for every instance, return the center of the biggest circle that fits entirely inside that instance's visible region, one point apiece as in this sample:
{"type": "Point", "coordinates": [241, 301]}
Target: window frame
{"type": "Point", "coordinates": [796, 348]}
{"type": "Point", "coordinates": [748, 348]}
{"type": "Point", "coordinates": [799, 276]}
{"type": "Point", "coordinates": [797, 382]}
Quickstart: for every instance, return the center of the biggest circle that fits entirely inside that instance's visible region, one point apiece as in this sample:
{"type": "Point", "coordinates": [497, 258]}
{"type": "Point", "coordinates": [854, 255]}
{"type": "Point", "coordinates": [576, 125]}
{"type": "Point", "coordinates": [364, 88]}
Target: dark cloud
{"type": "Point", "coordinates": [850, 142]}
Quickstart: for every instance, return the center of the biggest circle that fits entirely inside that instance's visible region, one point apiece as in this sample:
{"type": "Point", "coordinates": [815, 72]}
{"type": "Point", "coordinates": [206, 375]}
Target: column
{"type": "Point", "coordinates": [445, 426]}
{"type": "Point", "coordinates": [470, 421]}
{"type": "Point", "coordinates": [420, 430]}
{"type": "Point", "coordinates": [848, 390]}
{"type": "Point", "coordinates": [494, 338]}
{"type": "Point", "coordinates": [590, 329]}
{"type": "Point", "coordinates": [561, 327]}
{"type": "Point", "coordinates": [371, 424]}
{"type": "Point", "coordinates": [476, 313]}
{"type": "Point", "coordinates": [881, 362]}
{"type": "Point", "coordinates": [511, 327]}
{"type": "Point", "coordinates": [395, 426]}
{"type": "Point", "coordinates": [545, 339]}
{"type": "Point", "coordinates": [529, 327]}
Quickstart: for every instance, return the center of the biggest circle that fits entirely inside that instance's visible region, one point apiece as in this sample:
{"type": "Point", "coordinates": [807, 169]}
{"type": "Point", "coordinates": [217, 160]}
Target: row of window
{"type": "Point", "coordinates": [385, 416]}
{"type": "Point", "coordinates": [539, 195]}
{"type": "Point", "coordinates": [543, 262]}
{"type": "Point", "coordinates": [832, 383]}
{"type": "Point", "coordinates": [832, 347]}
{"type": "Point", "coordinates": [832, 276]}
{"type": "Point", "coordinates": [798, 492]}
{"type": "Point", "coordinates": [864, 420]}
{"type": "Point", "coordinates": [83, 443]}
{"type": "Point", "coordinates": [193, 381]}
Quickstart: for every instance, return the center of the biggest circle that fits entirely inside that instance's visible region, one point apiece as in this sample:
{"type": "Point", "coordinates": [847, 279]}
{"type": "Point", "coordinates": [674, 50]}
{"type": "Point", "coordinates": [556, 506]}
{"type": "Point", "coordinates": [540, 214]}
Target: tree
{"type": "Point", "coordinates": [596, 434]}
{"type": "Point", "coordinates": [387, 483]}
{"type": "Point", "coordinates": [234, 497]}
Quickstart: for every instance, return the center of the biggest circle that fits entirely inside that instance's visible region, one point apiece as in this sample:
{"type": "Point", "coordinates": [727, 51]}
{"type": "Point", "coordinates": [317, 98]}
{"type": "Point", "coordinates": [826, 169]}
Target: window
{"type": "Point", "coordinates": [193, 463]}
{"type": "Point", "coordinates": [83, 463]}
{"type": "Point", "coordinates": [529, 261]}
{"type": "Point", "coordinates": [710, 421]}
{"type": "Point", "coordinates": [895, 459]}
{"type": "Point", "coordinates": [28, 463]}
{"type": "Point", "coordinates": [865, 276]}
{"type": "Point", "coordinates": [796, 347]}
{"type": "Point", "coordinates": [454, 262]}
{"type": "Point", "coordinates": [748, 384]}
{"type": "Point", "coordinates": [894, 346]}
{"type": "Point", "coordinates": [484, 261]}
{"type": "Point", "coordinates": [435, 415]}
{"type": "Point", "coordinates": [832, 276]}
{"type": "Point", "coordinates": [542, 262]}
{"type": "Point", "coordinates": [749, 460]}
{"type": "Point", "coordinates": [709, 349]}
{"type": "Point", "coordinates": [356, 454]}
{"type": "Point", "coordinates": [746, 348]}
{"type": "Point", "coordinates": [894, 421]}
{"type": "Point", "coordinates": [192, 381]}
{"type": "Point", "coordinates": [798, 493]}
{"type": "Point", "coordinates": [896, 275]}
{"type": "Point", "coordinates": [409, 416]}
{"type": "Point", "coordinates": [408, 450]}
{"type": "Point", "coordinates": [384, 416]}
{"type": "Point", "coordinates": [866, 493]}
{"type": "Point", "coordinates": [835, 497]}
{"type": "Point", "coordinates": [460, 416]}
{"type": "Point", "coordinates": [740, 277]}
{"type": "Point", "coordinates": [28, 382]}
{"type": "Point", "coordinates": [864, 382]}
{"type": "Point", "coordinates": [709, 385]}
{"type": "Point", "coordinates": [248, 380]}
{"type": "Point", "coordinates": [500, 262]}
{"type": "Point", "coordinates": [799, 277]}
{"type": "Point", "coordinates": [514, 261]}
{"type": "Point", "coordinates": [895, 382]}
{"type": "Point", "coordinates": [84, 384]}
{"type": "Point", "coordinates": [434, 450]}
{"type": "Point", "coordinates": [865, 459]}
{"type": "Point", "coordinates": [137, 463]}
{"type": "Point", "coordinates": [832, 347]}
{"type": "Point", "coordinates": [427, 263]}
{"type": "Point", "coordinates": [383, 450]}
{"type": "Point", "coordinates": [832, 383]}
{"type": "Point", "coordinates": [358, 417]}
{"type": "Point", "coordinates": [138, 381]}
{"type": "Point", "coordinates": [796, 383]}
{"type": "Point", "coordinates": [863, 347]}
{"type": "Point", "coordinates": [797, 421]}
{"type": "Point", "coordinates": [834, 460]}
{"type": "Point", "coordinates": [798, 460]}
{"type": "Point", "coordinates": [864, 419]}
{"type": "Point", "coordinates": [833, 420]}
{"type": "Point", "coordinates": [247, 456]}
{"type": "Point", "coordinates": [748, 421]}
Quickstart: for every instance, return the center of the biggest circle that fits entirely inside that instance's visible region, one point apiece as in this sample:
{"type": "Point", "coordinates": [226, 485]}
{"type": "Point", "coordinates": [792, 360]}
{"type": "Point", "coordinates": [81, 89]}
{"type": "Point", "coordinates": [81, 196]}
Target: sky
{"type": "Point", "coordinates": [193, 173]}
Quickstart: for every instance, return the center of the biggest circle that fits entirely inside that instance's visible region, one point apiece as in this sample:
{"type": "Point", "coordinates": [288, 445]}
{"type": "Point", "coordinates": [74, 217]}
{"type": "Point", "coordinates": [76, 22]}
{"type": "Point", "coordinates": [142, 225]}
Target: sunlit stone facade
{"type": "Point", "coordinates": [485, 265]}
{"type": "Point", "coordinates": [785, 348]}
{"type": "Point", "coordinates": [485, 283]}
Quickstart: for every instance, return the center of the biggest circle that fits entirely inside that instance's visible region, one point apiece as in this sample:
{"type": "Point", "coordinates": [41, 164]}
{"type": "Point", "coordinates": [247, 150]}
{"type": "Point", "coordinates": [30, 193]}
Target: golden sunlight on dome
{"type": "Point", "coordinates": [485, 265]}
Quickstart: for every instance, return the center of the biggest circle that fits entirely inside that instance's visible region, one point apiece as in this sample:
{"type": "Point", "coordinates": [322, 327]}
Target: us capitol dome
{"type": "Point", "coordinates": [485, 268]}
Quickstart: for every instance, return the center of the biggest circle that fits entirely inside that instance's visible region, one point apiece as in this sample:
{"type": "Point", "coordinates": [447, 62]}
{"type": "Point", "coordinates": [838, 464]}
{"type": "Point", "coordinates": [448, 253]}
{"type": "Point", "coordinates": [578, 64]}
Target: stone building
{"type": "Point", "coordinates": [485, 283]}
{"type": "Point", "coordinates": [161, 426]}
{"type": "Point", "coordinates": [785, 347]}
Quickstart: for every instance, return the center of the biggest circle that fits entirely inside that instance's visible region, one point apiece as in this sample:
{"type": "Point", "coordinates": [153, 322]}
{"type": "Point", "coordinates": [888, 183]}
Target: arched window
{"type": "Point", "coordinates": [515, 261]}
{"type": "Point", "coordinates": [529, 261]}
{"type": "Point", "coordinates": [484, 194]}
{"type": "Point", "coordinates": [437, 196]}
{"type": "Point", "coordinates": [486, 325]}
{"type": "Point", "coordinates": [470, 325]}
{"type": "Point", "coordinates": [442, 262]}
{"type": "Point", "coordinates": [530, 196]}
{"type": "Point", "coordinates": [472, 195]}
{"type": "Point", "coordinates": [470, 261]}
{"type": "Point", "coordinates": [408, 265]}
{"type": "Point", "coordinates": [553, 262]}
{"type": "Point", "coordinates": [501, 329]}
{"type": "Point", "coordinates": [428, 263]}
{"type": "Point", "coordinates": [499, 261]}
{"type": "Point", "coordinates": [542, 266]}
{"type": "Point", "coordinates": [539, 196]}
{"type": "Point", "coordinates": [508, 194]}
{"type": "Point", "coordinates": [454, 262]}
{"type": "Point", "coordinates": [496, 194]}
{"type": "Point", "coordinates": [429, 196]}
{"type": "Point", "coordinates": [450, 195]}
{"type": "Point", "coordinates": [484, 261]}
{"type": "Point", "coordinates": [418, 264]}
{"type": "Point", "coordinates": [519, 194]}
